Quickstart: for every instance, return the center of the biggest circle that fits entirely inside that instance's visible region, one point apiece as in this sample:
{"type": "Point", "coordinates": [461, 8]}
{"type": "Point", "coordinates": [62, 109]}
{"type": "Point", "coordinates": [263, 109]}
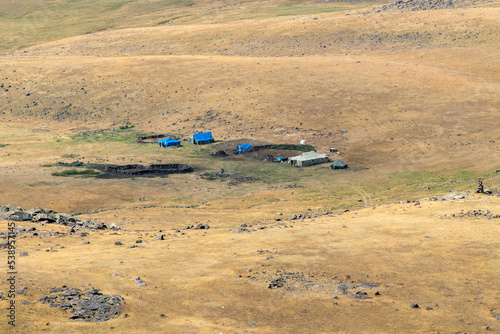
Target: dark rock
{"type": "Point", "coordinates": [88, 306]}
{"type": "Point", "coordinates": [118, 243]}
{"type": "Point", "coordinates": [241, 230]}
{"type": "Point", "coordinates": [277, 283]}
{"type": "Point", "coordinates": [45, 217]}
{"type": "Point", "coordinates": [18, 216]}
{"type": "Point", "coordinates": [140, 283]}
{"type": "Point", "coordinates": [21, 291]}
{"type": "Point", "coordinates": [414, 306]}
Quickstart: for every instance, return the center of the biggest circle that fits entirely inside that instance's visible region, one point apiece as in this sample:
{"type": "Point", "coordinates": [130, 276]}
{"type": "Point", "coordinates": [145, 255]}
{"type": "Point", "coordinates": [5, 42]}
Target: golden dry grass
{"type": "Point", "coordinates": [421, 112]}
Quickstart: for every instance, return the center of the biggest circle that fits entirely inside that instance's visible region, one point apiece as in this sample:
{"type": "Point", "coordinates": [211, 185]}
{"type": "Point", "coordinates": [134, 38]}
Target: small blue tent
{"type": "Point", "coordinates": [203, 138]}
{"type": "Point", "coordinates": [169, 142]}
{"type": "Point", "coordinates": [244, 148]}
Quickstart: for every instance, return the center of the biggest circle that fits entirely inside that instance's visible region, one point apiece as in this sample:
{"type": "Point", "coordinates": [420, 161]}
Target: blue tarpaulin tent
{"type": "Point", "coordinates": [169, 142]}
{"type": "Point", "coordinates": [244, 148]}
{"type": "Point", "coordinates": [203, 138]}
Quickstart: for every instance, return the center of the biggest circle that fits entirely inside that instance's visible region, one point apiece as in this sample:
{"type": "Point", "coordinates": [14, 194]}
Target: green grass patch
{"type": "Point", "coordinates": [74, 172]}
{"type": "Point", "coordinates": [108, 135]}
{"type": "Point", "coordinates": [287, 10]}
{"type": "Point", "coordinates": [212, 176]}
{"type": "Point", "coordinates": [125, 127]}
{"type": "Point", "coordinates": [70, 156]}
{"type": "Point", "coordinates": [444, 180]}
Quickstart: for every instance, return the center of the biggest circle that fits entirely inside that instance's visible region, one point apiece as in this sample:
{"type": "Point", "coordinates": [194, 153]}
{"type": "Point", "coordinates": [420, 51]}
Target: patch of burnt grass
{"type": "Point", "coordinates": [291, 147]}
{"type": "Point", "coordinates": [74, 172]}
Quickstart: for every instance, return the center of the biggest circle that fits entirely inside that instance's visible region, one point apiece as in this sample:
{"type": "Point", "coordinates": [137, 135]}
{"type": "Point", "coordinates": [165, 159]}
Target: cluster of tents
{"type": "Point", "coordinates": [303, 160]}
{"type": "Point", "coordinates": [198, 139]}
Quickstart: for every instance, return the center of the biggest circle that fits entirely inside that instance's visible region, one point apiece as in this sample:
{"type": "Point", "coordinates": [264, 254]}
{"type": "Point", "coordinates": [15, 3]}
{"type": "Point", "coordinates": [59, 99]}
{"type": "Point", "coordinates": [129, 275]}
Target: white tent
{"type": "Point", "coordinates": [308, 159]}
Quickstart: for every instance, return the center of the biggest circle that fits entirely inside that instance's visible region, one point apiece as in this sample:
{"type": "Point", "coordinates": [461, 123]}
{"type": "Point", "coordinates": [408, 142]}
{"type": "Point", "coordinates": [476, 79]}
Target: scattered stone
{"type": "Point", "coordinates": [414, 306]}
{"type": "Point", "coordinates": [140, 283]}
{"type": "Point", "coordinates": [160, 237]}
{"type": "Point", "coordinates": [87, 305]}
{"type": "Point", "coordinates": [242, 230]}
{"type": "Point", "coordinates": [118, 243]}
{"type": "Point", "coordinates": [472, 214]}
{"type": "Point", "coordinates": [39, 215]}
{"type": "Point", "coordinates": [134, 246]}
{"type": "Point", "coordinates": [23, 290]}
{"type": "Point", "coordinates": [419, 5]}
{"type": "Point", "coordinates": [277, 283]}
{"type": "Point", "coordinates": [454, 195]}
{"type": "Point", "coordinates": [198, 227]}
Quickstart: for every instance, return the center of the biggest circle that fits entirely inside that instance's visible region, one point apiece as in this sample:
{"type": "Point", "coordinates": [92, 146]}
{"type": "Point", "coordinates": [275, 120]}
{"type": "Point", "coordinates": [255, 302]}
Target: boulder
{"type": "Point", "coordinates": [45, 217]}
{"type": "Point", "coordinates": [9, 208]}
{"type": "Point", "coordinates": [16, 216]}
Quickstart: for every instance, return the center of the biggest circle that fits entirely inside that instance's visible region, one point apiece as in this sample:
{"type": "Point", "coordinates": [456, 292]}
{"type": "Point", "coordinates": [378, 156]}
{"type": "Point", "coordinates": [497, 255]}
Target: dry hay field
{"type": "Point", "coordinates": [407, 93]}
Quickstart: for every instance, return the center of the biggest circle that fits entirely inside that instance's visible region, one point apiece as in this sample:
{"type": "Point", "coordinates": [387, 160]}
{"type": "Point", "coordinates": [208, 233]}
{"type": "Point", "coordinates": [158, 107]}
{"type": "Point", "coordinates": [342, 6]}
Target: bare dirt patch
{"type": "Point", "coordinates": [260, 151]}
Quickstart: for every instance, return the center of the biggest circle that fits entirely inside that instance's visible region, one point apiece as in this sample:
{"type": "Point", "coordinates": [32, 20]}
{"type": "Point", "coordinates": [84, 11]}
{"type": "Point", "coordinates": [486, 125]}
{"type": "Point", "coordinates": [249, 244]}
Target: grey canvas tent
{"type": "Point", "coordinates": [338, 164]}
{"type": "Point", "coordinates": [308, 159]}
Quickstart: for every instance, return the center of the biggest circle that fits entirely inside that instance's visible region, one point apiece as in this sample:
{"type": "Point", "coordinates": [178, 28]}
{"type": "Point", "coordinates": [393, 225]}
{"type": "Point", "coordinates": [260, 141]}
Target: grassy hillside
{"type": "Point", "coordinates": [408, 96]}
{"type": "Point", "coordinates": [26, 23]}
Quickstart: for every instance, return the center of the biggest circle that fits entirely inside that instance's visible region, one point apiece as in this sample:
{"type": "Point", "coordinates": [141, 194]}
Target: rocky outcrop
{"type": "Point", "coordinates": [86, 305]}
{"type": "Point", "coordinates": [47, 216]}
